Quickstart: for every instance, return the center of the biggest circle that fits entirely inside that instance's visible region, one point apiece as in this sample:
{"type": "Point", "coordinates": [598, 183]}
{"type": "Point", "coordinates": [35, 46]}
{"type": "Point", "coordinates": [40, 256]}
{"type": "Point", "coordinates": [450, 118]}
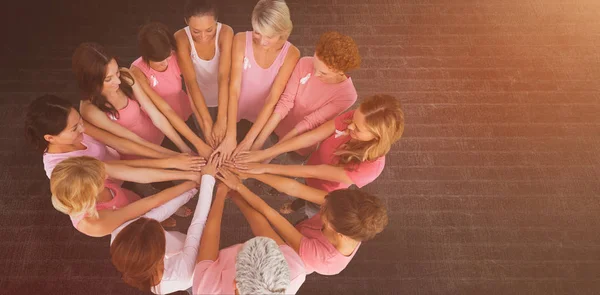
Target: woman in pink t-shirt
{"type": "Point", "coordinates": [158, 73]}
{"type": "Point", "coordinates": [262, 265]}
{"type": "Point", "coordinates": [96, 205]}
{"type": "Point", "coordinates": [329, 240]}
{"type": "Point", "coordinates": [261, 64]}
{"type": "Point", "coordinates": [352, 148]}
{"type": "Point", "coordinates": [317, 91]}
{"type": "Point", "coordinates": [113, 101]}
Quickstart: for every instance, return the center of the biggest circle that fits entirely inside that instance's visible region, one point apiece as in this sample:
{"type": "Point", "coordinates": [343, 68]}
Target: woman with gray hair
{"type": "Point", "coordinates": [262, 265]}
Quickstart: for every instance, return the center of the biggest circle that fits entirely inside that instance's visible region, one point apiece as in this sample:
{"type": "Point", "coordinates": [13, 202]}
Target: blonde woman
{"type": "Point", "coordinates": [262, 62]}
{"type": "Point", "coordinates": [352, 148]}
{"type": "Point", "coordinates": [98, 206]}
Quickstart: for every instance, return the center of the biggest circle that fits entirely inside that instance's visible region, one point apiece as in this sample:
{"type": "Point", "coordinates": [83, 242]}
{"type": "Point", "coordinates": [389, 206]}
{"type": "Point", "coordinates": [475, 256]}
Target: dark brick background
{"type": "Point", "coordinates": [492, 190]}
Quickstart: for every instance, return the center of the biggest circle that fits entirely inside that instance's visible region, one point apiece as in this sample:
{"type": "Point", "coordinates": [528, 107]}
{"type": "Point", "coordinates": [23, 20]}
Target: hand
{"type": "Point", "coordinates": [186, 162]}
{"type": "Point", "coordinates": [129, 81]}
{"type": "Point", "coordinates": [251, 157]}
{"type": "Point", "coordinates": [194, 176]}
{"type": "Point", "coordinates": [241, 175]}
{"type": "Point", "coordinates": [207, 131]}
{"type": "Point", "coordinates": [223, 152]}
{"type": "Point", "coordinates": [242, 147]}
{"type": "Point", "coordinates": [218, 131]}
{"type": "Point", "coordinates": [211, 167]}
{"type": "Point", "coordinates": [203, 149]}
{"type": "Point", "coordinates": [247, 168]}
{"type": "Point", "coordinates": [229, 179]}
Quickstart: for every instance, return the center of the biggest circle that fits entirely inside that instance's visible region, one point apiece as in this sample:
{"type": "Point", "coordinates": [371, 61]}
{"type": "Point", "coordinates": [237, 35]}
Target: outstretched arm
{"type": "Point", "coordinates": [109, 220]}
{"type": "Point", "coordinates": [211, 235]}
{"type": "Point", "coordinates": [122, 145]}
{"type": "Point", "coordinates": [324, 172]}
{"type": "Point", "coordinates": [174, 119]}
{"type": "Point", "coordinates": [276, 89]}
{"type": "Point", "coordinates": [189, 75]}
{"type": "Point", "coordinates": [304, 140]}
{"type": "Point", "coordinates": [95, 116]}
{"type": "Point", "coordinates": [292, 187]}
{"type": "Point", "coordinates": [289, 233]}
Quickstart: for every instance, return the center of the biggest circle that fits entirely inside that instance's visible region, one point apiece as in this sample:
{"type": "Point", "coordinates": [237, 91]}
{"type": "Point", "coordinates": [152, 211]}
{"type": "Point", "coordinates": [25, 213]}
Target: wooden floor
{"type": "Point", "coordinates": [493, 189]}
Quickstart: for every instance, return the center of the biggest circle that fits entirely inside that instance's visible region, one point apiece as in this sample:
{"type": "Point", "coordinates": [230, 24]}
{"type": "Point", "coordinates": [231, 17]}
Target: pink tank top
{"type": "Point", "coordinates": [256, 81]}
{"type": "Point", "coordinates": [121, 198]}
{"type": "Point", "coordinates": [167, 85]}
{"type": "Point", "coordinates": [135, 119]}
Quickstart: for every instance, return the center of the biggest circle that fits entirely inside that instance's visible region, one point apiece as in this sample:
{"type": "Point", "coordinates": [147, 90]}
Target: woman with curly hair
{"type": "Point", "coordinates": [318, 90]}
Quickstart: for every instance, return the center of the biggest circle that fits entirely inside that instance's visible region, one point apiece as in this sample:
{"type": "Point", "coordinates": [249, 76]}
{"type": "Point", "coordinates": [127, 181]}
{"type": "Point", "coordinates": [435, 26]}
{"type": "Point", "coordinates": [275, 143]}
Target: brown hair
{"type": "Point", "coordinates": [385, 120]}
{"type": "Point", "coordinates": [89, 65]}
{"type": "Point", "coordinates": [200, 8]}
{"type": "Point", "coordinates": [138, 253]}
{"type": "Point", "coordinates": [339, 52]}
{"type": "Point", "coordinates": [155, 42]}
{"type": "Point", "coordinates": [75, 184]}
{"type": "Point", "coordinates": [47, 114]}
{"type": "Point", "coordinates": [355, 214]}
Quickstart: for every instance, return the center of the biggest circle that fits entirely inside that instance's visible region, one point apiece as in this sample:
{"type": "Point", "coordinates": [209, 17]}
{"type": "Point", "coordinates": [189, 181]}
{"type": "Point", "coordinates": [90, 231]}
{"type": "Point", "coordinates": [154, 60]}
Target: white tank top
{"type": "Point", "coordinates": [207, 71]}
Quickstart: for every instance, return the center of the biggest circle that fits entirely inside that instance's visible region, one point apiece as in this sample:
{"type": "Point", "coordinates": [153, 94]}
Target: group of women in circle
{"type": "Point", "coordinates": [255, 78]}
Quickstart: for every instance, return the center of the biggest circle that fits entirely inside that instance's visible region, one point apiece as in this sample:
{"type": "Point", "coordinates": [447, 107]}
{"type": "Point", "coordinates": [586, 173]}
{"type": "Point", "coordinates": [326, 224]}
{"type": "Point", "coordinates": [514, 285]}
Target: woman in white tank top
{"type": "Point", "coordinates": [204, 55]}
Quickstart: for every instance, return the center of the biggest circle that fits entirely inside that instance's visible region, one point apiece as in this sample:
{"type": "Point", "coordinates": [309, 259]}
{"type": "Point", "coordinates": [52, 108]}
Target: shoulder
{"type": "Point", "coordinates": [226, 33]}
{"type": "Point", "coordinates": [181, 39]}
{"type": "Point", "coordinates": [293, 53]}
{"type": "Point", "coordinates": [239, 38]}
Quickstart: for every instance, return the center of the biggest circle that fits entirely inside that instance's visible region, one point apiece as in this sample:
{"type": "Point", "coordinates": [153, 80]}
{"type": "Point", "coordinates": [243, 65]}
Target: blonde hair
{"type": "Point", "coordinates": [75, 183]}
{"type": "Point", "coordinates": [272, 17]}
{"type": "Point", "coordinates": [385, 120]}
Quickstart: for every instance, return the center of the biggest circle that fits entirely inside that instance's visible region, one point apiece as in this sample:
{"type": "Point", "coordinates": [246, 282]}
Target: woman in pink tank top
{"type": "Point", "coordinates": [204, 55]}
{"type": "Point", "coordinates": [328, 241]}
{"type": "Point", "coordinates": [98, 206]}
{"type": "Point", "coordinates": [113, 101]}
{"type": "Point", "coordinates": [262, 62]}
{"type": "Point", "coordinates": [158, 73]}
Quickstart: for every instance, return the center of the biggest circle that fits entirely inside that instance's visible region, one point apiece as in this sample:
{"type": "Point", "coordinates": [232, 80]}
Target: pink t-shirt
{"type": "Point", "coordinates": [167, 85]}
{"type": "Point", "coordinates": [256, 81]}
{"type": "Point", "coordinates": [307, 102]}
{"type": "Point", "coordinates": [121, 198]}
{"type": "Point", "coordinates": [216, 277]}
{"type": "Point", "coordinates": [361, 174]}
{"type": "Point", "coordinates": [94, 149]}
{"type": "Point", "coordinates": [317, 252]}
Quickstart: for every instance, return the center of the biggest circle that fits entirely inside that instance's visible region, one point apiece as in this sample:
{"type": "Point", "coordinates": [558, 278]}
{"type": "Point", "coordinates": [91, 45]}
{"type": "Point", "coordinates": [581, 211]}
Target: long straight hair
{"type": "Point", "coordinates": [89, 64]}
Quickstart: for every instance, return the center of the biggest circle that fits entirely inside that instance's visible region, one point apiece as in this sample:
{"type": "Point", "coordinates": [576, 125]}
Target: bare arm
{"type": "Point", "coordinates": [158, 119]}
{"type": "Point", "coordinates": [109, 220]}
{"type": "Point", "coordinates": [324, 172]}
{"type": "Point", "coordinates": [287, 231]}
{"type": "Point", "coordinates": [304, 140]}
{"type": "Point", "coordinates": [292, 187]}
{"type": "Point", "coordinates": [229, 143]}
{"type": "Point", "coordinates": [95, 116]}
{"type": "Point", "coordinates": [147, 175]}
{"type": "Point", "coordinates": [178, 123]}
{"type": "Point", "coordinates": [189, 75]}
{"type": "Point", "coordinates": [211, 236]}
{"type": "Point", "coordinates": [122, 145]}
{"type": "Point", "coordinates": [276, 89]}
{"type": "Point", "coordinates": [225, 44]}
